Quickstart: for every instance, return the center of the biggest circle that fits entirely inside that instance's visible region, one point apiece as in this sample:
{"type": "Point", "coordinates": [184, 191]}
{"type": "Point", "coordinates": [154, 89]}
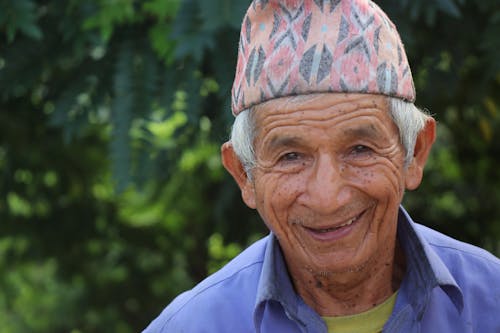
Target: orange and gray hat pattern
{"type": "Point", "coordinates": [294, 47]}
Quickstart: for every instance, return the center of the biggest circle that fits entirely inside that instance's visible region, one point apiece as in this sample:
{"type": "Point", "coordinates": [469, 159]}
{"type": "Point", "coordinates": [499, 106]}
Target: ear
{"type": "Point", "coordinates": [234, 166]}
{"type": "Point", "coordinates": [423, 144]}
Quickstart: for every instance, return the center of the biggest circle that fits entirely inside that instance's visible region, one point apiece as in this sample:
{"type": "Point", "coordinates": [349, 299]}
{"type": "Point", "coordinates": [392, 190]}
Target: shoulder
{"type": "Point", "coordinates": [228, 294]}
{"type": "Point", "coordinates": [472, 267]}
{"type": "Point", "coordinates": [476, 272]}
{"type": "Point", "coordinates": [451, 249]}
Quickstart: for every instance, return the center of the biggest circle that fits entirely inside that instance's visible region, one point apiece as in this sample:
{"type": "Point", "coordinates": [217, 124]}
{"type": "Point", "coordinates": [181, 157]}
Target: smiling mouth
{"type": "Point", "coordinates": [325, 230]}
{"type": "Point", "coordinates": [336, 232]}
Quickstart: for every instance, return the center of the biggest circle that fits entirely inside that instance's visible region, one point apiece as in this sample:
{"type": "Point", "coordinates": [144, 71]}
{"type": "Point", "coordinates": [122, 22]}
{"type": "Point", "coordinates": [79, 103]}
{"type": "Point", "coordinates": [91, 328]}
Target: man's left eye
{"type": "Point", "coordinates": [359, 149]}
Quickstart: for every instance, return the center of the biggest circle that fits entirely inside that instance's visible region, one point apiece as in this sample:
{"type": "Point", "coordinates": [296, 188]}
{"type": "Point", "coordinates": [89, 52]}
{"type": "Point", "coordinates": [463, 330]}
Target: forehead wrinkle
{"type": "Point", "coordinates": [323, 100]}
{"type": "Point", "coordinates": [317, 112]}
{"type": "Point", "coordinates": [298, 118]}
{"type": "Point", "coordinates": [311, 113]}
{"type": "Point", "coordinates": [324, 119]}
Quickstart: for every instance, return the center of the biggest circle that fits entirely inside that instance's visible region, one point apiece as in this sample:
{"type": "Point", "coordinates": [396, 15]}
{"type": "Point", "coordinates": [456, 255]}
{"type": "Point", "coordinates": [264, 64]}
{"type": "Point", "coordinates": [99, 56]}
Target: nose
{"type": "Point", "coordinates": [326, 188]}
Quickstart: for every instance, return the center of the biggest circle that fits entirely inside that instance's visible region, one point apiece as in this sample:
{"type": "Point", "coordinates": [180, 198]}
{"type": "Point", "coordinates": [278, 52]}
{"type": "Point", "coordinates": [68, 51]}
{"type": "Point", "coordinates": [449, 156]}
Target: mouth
{"type": "Point", "coordinates": [336, 232]}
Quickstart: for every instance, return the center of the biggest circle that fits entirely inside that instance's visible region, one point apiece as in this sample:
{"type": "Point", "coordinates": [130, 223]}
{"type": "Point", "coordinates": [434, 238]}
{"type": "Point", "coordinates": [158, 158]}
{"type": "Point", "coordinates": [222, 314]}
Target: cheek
{"type": "Point", "coordinates": [382, 179]}
{"type": "Point", "coordinates": [277, 192]}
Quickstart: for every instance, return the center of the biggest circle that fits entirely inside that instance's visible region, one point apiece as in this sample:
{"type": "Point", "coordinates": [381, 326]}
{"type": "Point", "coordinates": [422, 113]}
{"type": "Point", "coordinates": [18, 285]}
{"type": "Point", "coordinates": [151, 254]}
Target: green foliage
{"type": "Point", "coordinates": [219, 253]}
{"type": "Point", "coordinates": [19, 16]}
{"type": "Point", "coordinates": [38, 300]}
{"type": "Point", "coordinates": [112, 194]}
{"type": "Point", "coordinates": [110, 14]}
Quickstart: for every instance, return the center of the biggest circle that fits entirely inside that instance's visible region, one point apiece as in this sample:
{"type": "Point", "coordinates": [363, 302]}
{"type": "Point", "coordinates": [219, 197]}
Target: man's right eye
{"type": "Point", "coordinates": [291, 162]}
{"type": "Point", "coordinates": [290, 157]}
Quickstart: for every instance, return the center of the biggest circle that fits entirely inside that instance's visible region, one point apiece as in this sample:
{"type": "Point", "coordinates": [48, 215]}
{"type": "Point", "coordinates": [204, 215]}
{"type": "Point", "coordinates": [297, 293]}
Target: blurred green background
{"type": "Point", "coordinates": [112, 195]}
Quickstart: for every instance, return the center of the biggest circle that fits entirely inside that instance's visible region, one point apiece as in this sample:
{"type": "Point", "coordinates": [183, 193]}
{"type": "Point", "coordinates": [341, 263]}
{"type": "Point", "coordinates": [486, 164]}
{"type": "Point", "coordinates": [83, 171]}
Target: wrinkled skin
{"type": "Point", "coordinates": [329, 179]}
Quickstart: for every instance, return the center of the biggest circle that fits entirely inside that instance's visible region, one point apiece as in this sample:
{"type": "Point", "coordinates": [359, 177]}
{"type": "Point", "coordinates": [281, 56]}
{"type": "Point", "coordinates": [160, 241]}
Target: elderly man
{"type": "Point", "coordinates": [325, 142]}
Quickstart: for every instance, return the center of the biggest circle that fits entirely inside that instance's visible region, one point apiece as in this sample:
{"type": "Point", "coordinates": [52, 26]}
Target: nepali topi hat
{"type": "Point", "coordinates": [294, 47]}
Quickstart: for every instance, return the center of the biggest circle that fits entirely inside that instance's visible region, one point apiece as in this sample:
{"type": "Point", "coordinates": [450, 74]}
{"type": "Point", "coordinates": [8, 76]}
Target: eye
{"type": "Point", "coordinates": [359, 149]}
{"type": "Point", "coordinates": [290, 157]}
{"type": "Point", "coordinates": [292, 162]}
{"type": "Point", "coordinates": [360, 152]}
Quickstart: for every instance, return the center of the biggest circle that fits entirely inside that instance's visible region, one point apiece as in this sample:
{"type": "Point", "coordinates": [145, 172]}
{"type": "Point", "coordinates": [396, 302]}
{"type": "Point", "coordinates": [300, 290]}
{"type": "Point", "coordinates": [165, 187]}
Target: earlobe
{"type": "Point", "coordinates": [234, 166]}
{"type": "Point", "coordinates": [423, 145]}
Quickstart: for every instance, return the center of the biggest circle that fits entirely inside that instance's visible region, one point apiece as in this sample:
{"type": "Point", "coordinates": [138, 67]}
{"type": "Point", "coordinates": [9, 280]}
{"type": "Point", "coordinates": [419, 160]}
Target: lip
{"type": "Point", "coordinates": [334, 233]}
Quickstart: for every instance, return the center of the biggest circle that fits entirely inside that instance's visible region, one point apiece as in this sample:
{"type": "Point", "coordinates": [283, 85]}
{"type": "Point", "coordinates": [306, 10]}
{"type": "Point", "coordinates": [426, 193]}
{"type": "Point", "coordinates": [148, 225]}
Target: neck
{"type": "Point", "coordinates": [352, 291]}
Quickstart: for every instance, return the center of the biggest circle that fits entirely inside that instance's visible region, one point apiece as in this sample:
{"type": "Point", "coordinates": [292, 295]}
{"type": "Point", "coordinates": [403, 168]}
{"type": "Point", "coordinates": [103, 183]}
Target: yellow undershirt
{"type": "Point", "coordinates": [371, 321]}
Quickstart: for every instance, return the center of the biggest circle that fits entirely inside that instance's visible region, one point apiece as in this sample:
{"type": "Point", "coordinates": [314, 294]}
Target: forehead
{"type": "Point", "coordinates": [329, 110]}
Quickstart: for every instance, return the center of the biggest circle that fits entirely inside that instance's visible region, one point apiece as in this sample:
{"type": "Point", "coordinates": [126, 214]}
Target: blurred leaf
{"type": "Point", "coordinates": [220, 254]}
{"type": "Point", "coordinates": [161, 9]}
{"type": "Point", "coordinates": [122, 117]}
{"type": "Point", "coordinates": [110, 14]}
{"type": "Point", "coordinates": [165, 129]}
{"type": "Point", "coordinates": [449, 7]}
{"type": "Point", "coordinates": [21, 16]}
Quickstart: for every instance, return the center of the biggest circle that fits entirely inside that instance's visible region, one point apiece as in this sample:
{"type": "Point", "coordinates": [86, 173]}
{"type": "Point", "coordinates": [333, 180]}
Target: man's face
{"type": "Point", "coordinates": [329, 179]}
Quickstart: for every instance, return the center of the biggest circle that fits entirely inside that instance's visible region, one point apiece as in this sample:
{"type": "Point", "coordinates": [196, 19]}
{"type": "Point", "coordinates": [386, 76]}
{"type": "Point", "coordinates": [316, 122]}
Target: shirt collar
{"type": "Point", "coordinates": [275, 283]}
{"type": "Point", "coordinates": [425, 271]}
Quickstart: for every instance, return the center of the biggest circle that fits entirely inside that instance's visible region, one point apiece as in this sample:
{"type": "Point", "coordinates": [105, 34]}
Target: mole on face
{"type": "Point", "coordinates": [319, 285]}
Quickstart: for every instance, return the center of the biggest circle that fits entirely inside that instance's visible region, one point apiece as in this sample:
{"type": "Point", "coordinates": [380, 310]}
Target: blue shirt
{"type": "Point", "coordinates": [449, 286]}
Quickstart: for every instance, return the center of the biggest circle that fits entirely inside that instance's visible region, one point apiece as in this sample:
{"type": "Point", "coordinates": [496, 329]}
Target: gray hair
{"type": "Point", "coordinates": [409, 119]}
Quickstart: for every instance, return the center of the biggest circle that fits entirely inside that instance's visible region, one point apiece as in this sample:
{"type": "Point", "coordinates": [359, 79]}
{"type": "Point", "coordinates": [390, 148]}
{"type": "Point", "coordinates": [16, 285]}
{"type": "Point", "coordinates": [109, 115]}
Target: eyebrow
{"type": "Point", "coordinates": [285, 141]}
{"type": "Point", "coordinates": [364, 131]}
{"type": "Point", "coordinates": [368, 131]}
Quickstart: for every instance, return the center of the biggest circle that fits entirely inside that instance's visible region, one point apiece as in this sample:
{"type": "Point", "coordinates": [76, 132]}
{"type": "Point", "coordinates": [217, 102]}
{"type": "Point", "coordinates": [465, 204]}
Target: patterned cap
{"type": "Point", "coordinates": [293, 47]}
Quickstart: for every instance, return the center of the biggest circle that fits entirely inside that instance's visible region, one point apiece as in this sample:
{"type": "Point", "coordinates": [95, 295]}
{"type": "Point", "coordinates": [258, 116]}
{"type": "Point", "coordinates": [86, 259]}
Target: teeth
{"type": "Point", "coordinates": [348, 222]}
{"type": "Point", "coordinates": [340, 226]}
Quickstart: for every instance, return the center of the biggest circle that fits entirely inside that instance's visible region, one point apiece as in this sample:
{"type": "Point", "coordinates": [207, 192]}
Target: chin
{"type": "Point", "coordinates": [329, 264]}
